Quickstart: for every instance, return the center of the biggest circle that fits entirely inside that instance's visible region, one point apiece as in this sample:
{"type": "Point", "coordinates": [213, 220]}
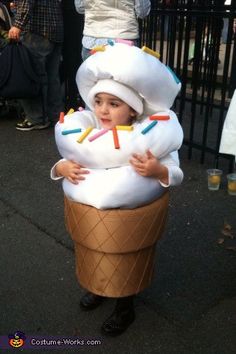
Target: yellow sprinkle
{"type": "Point", "coordinates": [151, 52]}
{"type": "Point", "coordinates": [70, 111]}
{"type": "Point", "coordinates": [85, 133]}
{"type": "Point", "coordinates": [124, 127]}
{"type": "Point", "coordinates": [99, 48]}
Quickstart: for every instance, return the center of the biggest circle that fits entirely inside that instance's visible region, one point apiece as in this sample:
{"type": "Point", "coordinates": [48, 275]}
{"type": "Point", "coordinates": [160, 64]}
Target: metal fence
{"type": "Point", "coordinates": [197, 39]}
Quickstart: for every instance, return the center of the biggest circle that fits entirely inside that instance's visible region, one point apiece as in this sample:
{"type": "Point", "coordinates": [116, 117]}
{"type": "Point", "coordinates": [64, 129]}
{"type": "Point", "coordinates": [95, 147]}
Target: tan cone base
{"type": "Point", "coordinates": [115, 248]}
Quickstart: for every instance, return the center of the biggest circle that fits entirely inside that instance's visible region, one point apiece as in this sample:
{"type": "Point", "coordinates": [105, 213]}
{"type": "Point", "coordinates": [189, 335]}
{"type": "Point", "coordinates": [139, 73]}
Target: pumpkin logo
{"type": "Point", "coordinates": [17, 339]}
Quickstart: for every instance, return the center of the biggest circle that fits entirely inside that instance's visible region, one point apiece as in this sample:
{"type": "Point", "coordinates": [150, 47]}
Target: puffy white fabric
{"type": "Point", "coordinates": [164, 137]}
{"type": "Point", "coordinates": [110, 188]}
{"type": "Point", "coordinates": [112, 182]}
{"type": "Point", "coordinates": [228, 137]}
{"type": "Point", "coordinates": [129, 65]}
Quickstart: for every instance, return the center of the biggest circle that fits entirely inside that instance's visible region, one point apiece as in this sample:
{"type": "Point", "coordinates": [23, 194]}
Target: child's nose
{"type": "Point", "coordinates": [104, 108]}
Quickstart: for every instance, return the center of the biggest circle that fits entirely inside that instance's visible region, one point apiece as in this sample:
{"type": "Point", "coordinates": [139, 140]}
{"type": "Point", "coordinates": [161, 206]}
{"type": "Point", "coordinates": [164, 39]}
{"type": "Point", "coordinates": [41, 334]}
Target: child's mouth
{"type": "Point", "coordinates": [105, 121]}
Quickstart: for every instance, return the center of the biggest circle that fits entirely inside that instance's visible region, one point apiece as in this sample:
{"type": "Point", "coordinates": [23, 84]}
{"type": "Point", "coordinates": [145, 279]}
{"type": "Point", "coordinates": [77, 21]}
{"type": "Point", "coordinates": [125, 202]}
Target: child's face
{"type": "Point", "coordinates": [111, 111]}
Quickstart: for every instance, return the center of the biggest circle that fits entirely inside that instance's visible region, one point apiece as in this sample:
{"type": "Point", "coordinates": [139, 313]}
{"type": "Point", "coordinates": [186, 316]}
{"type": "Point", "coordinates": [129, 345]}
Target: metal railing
{"type": "Point", "coordinates": [197, 39]}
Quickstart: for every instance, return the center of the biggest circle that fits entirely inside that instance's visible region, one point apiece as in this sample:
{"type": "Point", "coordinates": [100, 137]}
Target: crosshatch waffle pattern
{"type": "Point", "coordinates": [115, 248]}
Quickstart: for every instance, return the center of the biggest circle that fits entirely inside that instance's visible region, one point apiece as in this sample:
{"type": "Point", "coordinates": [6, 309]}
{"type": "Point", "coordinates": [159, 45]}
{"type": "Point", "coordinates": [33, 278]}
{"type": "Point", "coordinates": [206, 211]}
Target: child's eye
{"type": "Point", "coordinates": [97, 101]}
{"type": "Point", "coordinates": [114, 104]}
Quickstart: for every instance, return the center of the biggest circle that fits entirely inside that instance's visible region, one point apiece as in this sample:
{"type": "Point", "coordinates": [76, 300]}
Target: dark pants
{"type": "Point", "coordinates": [46, 57]}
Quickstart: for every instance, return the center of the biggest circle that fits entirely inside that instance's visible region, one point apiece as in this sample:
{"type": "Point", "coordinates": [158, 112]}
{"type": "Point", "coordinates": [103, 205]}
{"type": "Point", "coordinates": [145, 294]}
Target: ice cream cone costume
{"type": "Point", "coordinates": [115, 216]}
{"type": "Point", "coordinates": [115, 248]}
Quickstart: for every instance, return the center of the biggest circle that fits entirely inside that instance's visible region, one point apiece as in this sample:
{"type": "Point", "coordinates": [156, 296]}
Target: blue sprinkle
{"type": "Point", "coordinates": [150, 126]}
{"type": "Point", "coordinates": [111, 42]}
{"type": "Point", "coordinates": [72, 131]}
{"type": "Point", "coordinates": [173, 74]}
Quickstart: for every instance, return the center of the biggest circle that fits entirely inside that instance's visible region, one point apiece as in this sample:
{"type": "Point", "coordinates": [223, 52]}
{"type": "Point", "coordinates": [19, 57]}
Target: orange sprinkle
{"type": "Point", "coordinates": [61, 119]}
{"type": "Point", "coordinates": [159, 117]}
{"type": "Point", "coordinates": [115, 138]}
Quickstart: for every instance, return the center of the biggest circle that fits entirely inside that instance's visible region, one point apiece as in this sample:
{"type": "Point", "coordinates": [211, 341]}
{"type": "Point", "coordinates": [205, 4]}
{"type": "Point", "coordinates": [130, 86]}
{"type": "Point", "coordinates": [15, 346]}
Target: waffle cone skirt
{"type": "Point", "coordinates": [115, 248]}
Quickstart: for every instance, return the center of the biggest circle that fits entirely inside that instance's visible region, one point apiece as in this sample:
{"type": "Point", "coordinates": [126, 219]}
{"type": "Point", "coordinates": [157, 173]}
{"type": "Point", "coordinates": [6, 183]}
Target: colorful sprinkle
{"type": "Point", "coordinates": [125, 41]}
{"type": "Point", "coordinates": [115, 138]}
{"type": "Point", "coordinates": [177, 80]}
{"type": "Point", "coordinates": [61, 118]}
{"type": "Point", "coordinates": [71, 131]}
{"type": "Point", "coordinates": [99, 48]}
{"type": "Point", "coordinates": [98, 134]}
{"type": "Point", "coordinates": [70, 111]}
{"type": "Point", "coordinates": [84, 135]}
{"type": "Point", "coordinates": [151, 52]}
{"type": "Point", "coordinates": [124, 127]}
{"type": "Point", "coordinates": [159, 117]}
{"type": "Point", "coordinates": [110, 42]}
{"type": "Point", "coordinates": [150, 126]}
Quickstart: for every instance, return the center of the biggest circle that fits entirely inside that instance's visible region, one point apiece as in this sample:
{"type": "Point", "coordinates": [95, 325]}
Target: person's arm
{"type": "Point", "coordinates": [175, 174]}
{"type": "Point", "coordinates": [53, 173]}
{"type": "Point", "coordinates": [68, 169]}
{"type": "Point", "coordinates": [79, 6]}
{"type": "Point", "coordinates": [166, 170]}
{"type": "Point", "coordinates": [142, 8]}
{"type": "Point", "coordinates": [24, 10]}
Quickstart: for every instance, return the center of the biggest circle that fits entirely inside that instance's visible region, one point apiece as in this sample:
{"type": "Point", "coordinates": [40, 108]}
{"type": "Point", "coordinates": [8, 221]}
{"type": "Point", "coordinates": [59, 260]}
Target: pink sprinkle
{"type": "Point", "coordinates": [81, 109]}
{"type": "Point", "coordinates": [95, 136]}
{"type": "Point", "coordinates": [124, 41]}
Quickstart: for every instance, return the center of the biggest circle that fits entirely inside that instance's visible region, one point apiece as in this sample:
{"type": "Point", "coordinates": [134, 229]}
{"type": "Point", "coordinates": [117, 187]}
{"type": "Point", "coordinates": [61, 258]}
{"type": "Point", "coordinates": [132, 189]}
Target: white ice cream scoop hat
{"type": "Point", "coordinates": [153, 81]}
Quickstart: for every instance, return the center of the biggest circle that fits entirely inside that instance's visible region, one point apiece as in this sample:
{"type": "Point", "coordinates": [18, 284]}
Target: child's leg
{"type": "Point", "coordinates": [121, 318]}
{"type": "Point", "coordinates": [90, 301]}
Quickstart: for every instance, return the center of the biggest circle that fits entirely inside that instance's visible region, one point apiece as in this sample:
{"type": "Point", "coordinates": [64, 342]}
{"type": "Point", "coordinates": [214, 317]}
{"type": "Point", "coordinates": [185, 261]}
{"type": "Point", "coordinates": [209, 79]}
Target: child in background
{"type": "Point", "coordinates": [119, 265]}
{"type": "Point", "coordinates": [109, 20]}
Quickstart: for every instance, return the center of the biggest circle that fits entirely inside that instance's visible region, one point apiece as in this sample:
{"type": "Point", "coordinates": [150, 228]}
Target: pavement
{"type": "Point", "coordinates": [190, 307]}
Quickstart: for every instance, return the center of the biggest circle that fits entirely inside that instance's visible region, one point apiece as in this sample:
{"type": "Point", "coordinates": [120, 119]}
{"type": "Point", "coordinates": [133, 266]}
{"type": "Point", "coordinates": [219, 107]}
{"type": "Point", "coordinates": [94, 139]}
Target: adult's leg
{"type": "Point", "coordinates": [54, 92]}
{"type": "Point", "coordinates": [85, 53]}
{"type": "Point", "coordinates": [36, 108]}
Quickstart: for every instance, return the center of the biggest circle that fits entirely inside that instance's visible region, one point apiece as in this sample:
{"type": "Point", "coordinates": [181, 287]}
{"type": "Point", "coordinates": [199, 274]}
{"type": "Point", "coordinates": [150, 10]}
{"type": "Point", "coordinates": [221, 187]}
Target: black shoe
{"type": "Point", "coordinates": [26, 125]}
{"type": "Point", "coordinates": [90, 301]}
{"type": "Point", "coordinates": [118, 322]}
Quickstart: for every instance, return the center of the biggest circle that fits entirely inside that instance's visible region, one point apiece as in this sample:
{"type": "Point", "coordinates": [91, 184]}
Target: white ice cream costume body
{"type": "Point", "coordinates": [112, 182]}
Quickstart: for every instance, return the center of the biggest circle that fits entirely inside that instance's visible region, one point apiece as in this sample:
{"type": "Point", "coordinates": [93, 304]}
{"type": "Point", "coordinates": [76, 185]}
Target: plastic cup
{"type": "Point", "coordinates": [232, 183]}
{"type": "Point", "coordinates": [214, 179]}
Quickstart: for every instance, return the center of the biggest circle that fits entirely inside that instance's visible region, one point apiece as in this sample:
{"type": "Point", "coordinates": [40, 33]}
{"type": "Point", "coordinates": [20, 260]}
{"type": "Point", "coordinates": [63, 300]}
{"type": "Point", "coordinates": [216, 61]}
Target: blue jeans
{"type": "Point", "coordinates": [46, 57]}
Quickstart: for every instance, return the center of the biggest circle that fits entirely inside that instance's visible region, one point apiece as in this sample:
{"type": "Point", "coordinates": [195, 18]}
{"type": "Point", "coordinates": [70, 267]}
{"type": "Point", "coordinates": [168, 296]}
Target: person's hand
{"type": "Point", "coordinates": [71, 170]}
{"type": "Point", "coordinates": [148, 165]}
{"type": "Point", "coordinates": [14, 33]}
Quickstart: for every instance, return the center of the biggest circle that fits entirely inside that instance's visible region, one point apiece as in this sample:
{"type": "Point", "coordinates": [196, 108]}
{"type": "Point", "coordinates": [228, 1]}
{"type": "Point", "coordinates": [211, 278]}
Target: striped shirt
{"type": "Point", "coordinates": [141, 7]}
{"type": "Point", "coordinates": [43, 17]}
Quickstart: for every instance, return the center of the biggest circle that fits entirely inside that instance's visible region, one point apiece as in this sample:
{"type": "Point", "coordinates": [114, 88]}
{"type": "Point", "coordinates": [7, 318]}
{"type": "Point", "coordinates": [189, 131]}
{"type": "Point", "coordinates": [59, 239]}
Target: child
{"type": "Point", "coordinates": [115, 247]}
{"type": "Point", "coordinates": [110, 19]}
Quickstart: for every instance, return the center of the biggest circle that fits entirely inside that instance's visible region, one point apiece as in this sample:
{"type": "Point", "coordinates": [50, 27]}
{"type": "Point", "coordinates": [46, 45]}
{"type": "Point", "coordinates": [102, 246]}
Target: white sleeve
{"type": "Point", "coordinates": [53, 175]}
{"type": "Point", "coordinates": [142, 8]}
{"type": "Point", "coordinates": [171, 161]}
{"type": "Point", "coordinates": [79, 6]}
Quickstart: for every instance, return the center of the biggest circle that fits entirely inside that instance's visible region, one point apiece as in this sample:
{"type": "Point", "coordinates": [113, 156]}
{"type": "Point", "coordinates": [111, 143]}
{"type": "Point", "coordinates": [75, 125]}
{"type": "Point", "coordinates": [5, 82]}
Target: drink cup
{"type": "Point", "coordinates": [214, 179]}
{"type": "Point", "coordinates": [231, 183]}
